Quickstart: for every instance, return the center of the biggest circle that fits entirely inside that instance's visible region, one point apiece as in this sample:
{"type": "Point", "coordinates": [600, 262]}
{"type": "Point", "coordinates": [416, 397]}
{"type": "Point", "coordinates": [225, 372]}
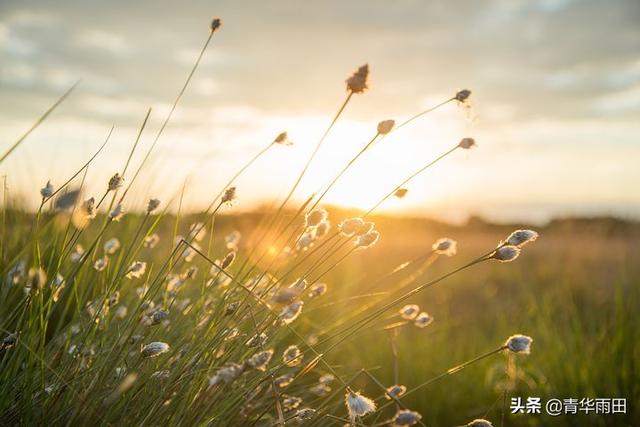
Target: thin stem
{"type": "Point", "coordinates": [413, 175]}
{"type": "Point", "coordinates": [316, 149]}
{"type": "Point", "coordinates": [135, 144]}
{"type": "Point", "coordinates": [179, 96]}
{"type": "Point", "coordinates": [368, 319]}
{"type": "Point", "coordinates": [346, 167]}
{"type": "Point", "coordinates": [409, 120]}
{"type": "Point", "coordinates": [450, 371]}
{"type": "Point", "coordinates": [38, 122]}
{"type": "Point", "coordinates": [88, 162]}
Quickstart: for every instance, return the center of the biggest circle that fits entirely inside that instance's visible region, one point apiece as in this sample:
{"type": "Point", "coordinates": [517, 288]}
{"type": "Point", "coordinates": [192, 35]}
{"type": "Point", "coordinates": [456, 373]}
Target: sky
{"type": "Point", "coordinates": [555, 105]}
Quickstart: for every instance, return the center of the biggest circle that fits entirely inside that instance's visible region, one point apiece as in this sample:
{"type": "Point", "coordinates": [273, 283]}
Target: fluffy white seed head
{"type": "Point", "coordinates": [358, 405]}
{"type": "Point", "coordinates": [152, 205]}
{"type": "Point", "coordinates": [385, 126]}
{"type": "Point", "coordinates": [228, 259]}
{"type": "Point", "coordinates": [67, 200]}
{"type": "Point", "coordinates": [284, 380]}
{"type": "Point", "coordinates": [409, 311]}
{"type": "Point", "coordinates": [159, 316]}
{"type": "Point", "coordinates": [111, 246]}
{"type": "Point", "coordinates": [290, 293]}
{"type": "Point", "coordinates": [116, 213]}
{"type": "Point", "coordinates": [480, 422]}
{"type": "Point", "coordinates": [326, 379]}
{"type": "Point", "coordinates": [115, 182]}
{"type": "Point", "coordinates": [445, 246]}
{"type": "Point", "coordinates": [365, 228]}
{"type": "Point", "coordinates": [368, 239]}
{"type": "Point", "coordinates": [315, 217]}
{"type": "Point", "coordinates": [396, 391]}
{"type": "Point", "coordinates": [226, 374]}
{"type": "Point", "coordinates": [215, 24]}
{"type": "Point", "coordinates": [155, 348]}
{"type": "Point", "coordinates": [317, 290]}
{"type": "Point", "coordinates": [321, 229]}
{"type": "Point", "coordinates": [349, 226]}
{"type": "Point", "coordinates": [136, 269]}
{"type": "Point", "coordinates": [520, 238]}
{"type": "Point", "coordinates": [151, 241]}
{"type": "Point", "coordinates": [16, 273]}
{"type": "Point", "coordinates": [292, 356]}
{"type": "Point", "coordinates": [232, 240]}
{"type": "Point", "coordinates": [506, 253]}
{"type": "Point", "coordinates": [121, 312]}
{"type": "Point", "coordinates": [404, 417]}
{"type": "Point", "coordinates": [260, 360]}
{"type": "Point", "coordinates": [57, 285]}
{"type": "Point", "coordinates": [8, 341]}
{"type": "Point", "coordinates": [463, 95]}
{"type": "Point", "coordinates": [77, 254]}
{"type": "Point", "coordinates": [47, 190]}
{"type": "Point", "coordinates": [229, 195]}
{"type": "Point", "coordinates": [400, 193]}
{"type": "Point", "coordinates": [467, 143]}
{"type": "Point", "coordinates": [37, 278]}
{"type": "Point", "coordinates": [282, 139]}
{"type": "Point", "coordinates": [89, 207]}
{"type": "Point", "coordinates": [257, 340]}
{"type": "Point", "coordinates": [357, 83]}
{"type": "Point", "coordinates": [290, 403]}
{"type": "Point", "coordinates": [299, 284]}
{"type": "Point", "coordinates": [305, 413]}
{"type": "Point", "coordinates": [306, 240]}
{"type": "Point", "coordinates": [320, 390]}
{"type": "Point", "coordinates": [519, 344]}
{"type": "Point", "coordinates": [101, 263]}
{"type": "Point", "coordinates": [423, 319]}
{"type": "Point", "coordinates": [114, 299]}
{"type": "Point", "coordinates": [291, 312]}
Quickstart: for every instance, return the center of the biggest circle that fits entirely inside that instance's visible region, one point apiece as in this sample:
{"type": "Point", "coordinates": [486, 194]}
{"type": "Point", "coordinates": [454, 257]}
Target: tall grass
{"type": "Point", "coordinates": [118, 318]}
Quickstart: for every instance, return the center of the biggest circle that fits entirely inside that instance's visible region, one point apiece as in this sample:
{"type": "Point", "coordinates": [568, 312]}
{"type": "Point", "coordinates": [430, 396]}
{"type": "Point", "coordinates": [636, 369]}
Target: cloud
{"type": "Point", "coordinates": [105, 41]}
{"type": "Point", "coordinates": [624, 101]}
{"type": "Point", "coordinates": [30, 18]}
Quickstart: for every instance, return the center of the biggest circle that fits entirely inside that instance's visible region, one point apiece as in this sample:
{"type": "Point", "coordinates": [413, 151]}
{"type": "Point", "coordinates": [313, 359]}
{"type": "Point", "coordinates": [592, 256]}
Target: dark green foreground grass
{"type": "Point", "coordinates": [575, 291]}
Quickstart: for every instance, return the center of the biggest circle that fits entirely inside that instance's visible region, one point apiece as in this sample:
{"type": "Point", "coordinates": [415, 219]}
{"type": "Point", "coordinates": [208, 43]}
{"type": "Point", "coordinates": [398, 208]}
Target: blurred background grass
{"type": "Point", "coordinates": [575, 291]}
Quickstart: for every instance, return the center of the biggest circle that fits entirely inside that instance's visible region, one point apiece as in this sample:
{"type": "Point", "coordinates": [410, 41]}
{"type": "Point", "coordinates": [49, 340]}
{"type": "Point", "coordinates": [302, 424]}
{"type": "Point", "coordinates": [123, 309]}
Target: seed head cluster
{"type": "Point", "coordinates": [357, 83]}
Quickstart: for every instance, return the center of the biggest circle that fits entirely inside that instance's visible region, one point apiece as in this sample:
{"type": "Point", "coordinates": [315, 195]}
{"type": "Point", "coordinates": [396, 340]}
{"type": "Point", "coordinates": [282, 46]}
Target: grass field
{"type": "Point", "coordinates": [575, 291]}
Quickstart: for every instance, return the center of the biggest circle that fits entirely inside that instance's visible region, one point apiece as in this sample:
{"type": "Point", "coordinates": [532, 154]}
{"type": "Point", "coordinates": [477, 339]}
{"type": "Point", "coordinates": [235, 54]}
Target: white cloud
{"type": "Point", "coordinates": [30, 18]}
{"type": "Point", "coordinates": [627, 100]}
{"type": "Point", "coordinates": [17, 73]}
{"type": "Point", "coordinates": [104, 40]}
{"type": "Point", "coordinates": [111, 107]}
{"type": "Point", "coordinates": [4, 33]}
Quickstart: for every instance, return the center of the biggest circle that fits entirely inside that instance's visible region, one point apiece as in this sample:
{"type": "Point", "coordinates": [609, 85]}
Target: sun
{"type": "Point", "coordinates": [374, 176]}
